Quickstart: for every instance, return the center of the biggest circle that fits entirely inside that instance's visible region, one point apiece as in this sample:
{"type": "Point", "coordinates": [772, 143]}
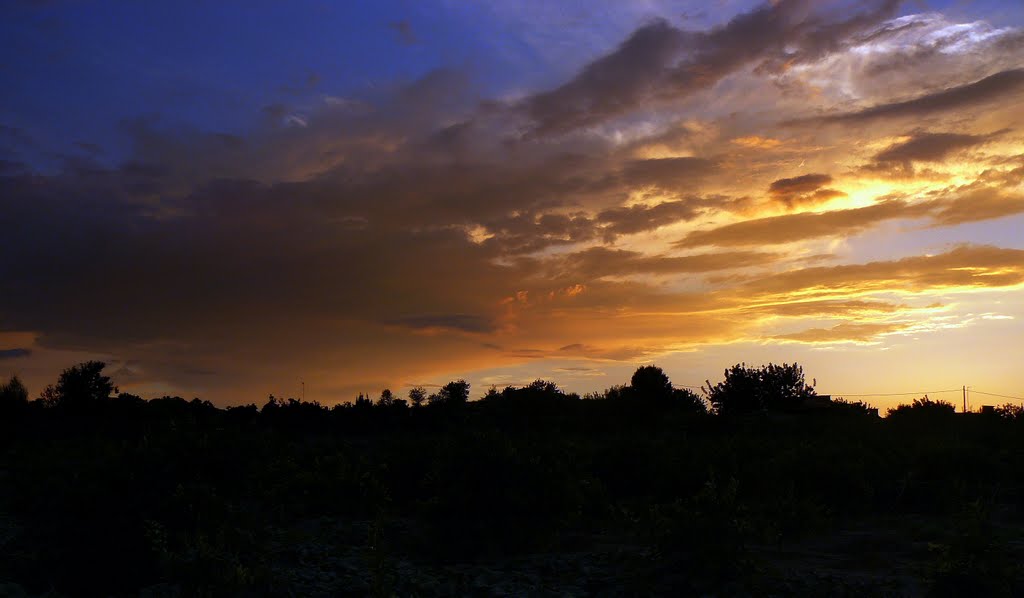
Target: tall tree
{"type": "Point", "coordinates": [748, 389]}
{"type": "Point", "coordinates": [651, 382]}
{"type": "Point", "coordinates": [417, 395]}
{"type": "Point", "coordinates": [13, 396]}
{"type": "Point", "coordinates": [80, 386]}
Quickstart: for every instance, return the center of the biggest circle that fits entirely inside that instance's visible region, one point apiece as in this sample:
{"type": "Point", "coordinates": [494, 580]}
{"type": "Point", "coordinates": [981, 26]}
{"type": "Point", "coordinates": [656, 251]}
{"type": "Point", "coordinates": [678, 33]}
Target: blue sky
{"type": "Point", "coordinates": [74, 71]}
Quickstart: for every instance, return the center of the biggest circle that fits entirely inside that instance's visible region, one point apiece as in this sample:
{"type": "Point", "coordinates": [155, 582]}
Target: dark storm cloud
{"type": "Point", "coordinates": [930, 147]}
{"type": "Point", "coordinates": [339, 240]}
{"type": "Point", "coordinates": [597, 262]}
{"type": "Point", "coordinates": [1000, 85]}
{"type": "Point", "coordinates": [641, 217]}
{"type": "Point", "coordinates": [977, 204]}
{"type": "Point", "coordinates": [612, 84]}
{"type": "Point", "coordinates": [530, 232]}
{"type": "Point", "coordinates": [358, 135]}
{"type": "Point", "coordinates": [799, 185]}
{"type": "Point", "coordinates": [14, 353]}
{"type": "Point", "coordinates": [452, 322]}
{"type": "Point", "coordinates": [804, 190]}
{"type": "Point", "coordinates": [675, 174]}
{"type": "Point", "coordinates": [964, 266]}
{"type": "Point", "coordinates": [524, 233]}
{"type": "Point", "coordinates": [660, 62]}
{"type": "Point", "coordinates": [972, 203]}
{"type": "Point", "coordinates": [252, 280]}
{"type": "Point", "coordinates": [799, 227]}
{"type": "Point", "coordinates": [85, 261]}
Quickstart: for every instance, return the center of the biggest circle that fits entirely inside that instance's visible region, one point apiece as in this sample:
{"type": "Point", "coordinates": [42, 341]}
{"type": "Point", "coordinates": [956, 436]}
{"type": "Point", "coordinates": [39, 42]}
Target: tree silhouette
{"type": "Point", "coordinates": [13, 397]}
{"type": "Point", "coordinates": [363, 402]}
{"type": "Point", "coordinates": [453, 393]}
{"type": "Point", "coordinates": [650, 381]}
{"type": "Point", "coordinates": [687, 399]}
{"type": "Point", "coordinates": [651, 385]}
{"type": "Point", "coordinates": [417, 395]}
{"type": "Point", "coordinates": [80, 387]}
{"type": "Point", "coordinates": [1010, 411]}
{"type": "Point", "coordinates": [747, 389]}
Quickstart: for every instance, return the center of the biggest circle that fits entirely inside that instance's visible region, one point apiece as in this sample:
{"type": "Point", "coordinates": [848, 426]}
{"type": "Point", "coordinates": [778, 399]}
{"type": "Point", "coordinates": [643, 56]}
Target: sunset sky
{"type": "Point", "coordinates": [226, 199]}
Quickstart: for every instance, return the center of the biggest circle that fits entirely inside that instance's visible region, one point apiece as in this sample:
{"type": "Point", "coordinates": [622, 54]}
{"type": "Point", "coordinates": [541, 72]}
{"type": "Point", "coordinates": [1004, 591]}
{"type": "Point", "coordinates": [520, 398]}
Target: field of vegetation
{"type": "Point", "coordinates": [755, 487]}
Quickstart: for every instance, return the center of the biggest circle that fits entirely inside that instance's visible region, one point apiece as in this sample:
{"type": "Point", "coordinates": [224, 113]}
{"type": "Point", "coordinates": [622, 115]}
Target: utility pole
{"type": "Point", "coordinates": [965, 399]}
{"type": "Point", "coordinates": [303, 391]}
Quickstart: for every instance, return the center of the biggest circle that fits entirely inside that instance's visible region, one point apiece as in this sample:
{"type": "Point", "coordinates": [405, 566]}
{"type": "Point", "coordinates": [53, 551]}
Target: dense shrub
{"type": "Point", "coordinates": [923, 408]}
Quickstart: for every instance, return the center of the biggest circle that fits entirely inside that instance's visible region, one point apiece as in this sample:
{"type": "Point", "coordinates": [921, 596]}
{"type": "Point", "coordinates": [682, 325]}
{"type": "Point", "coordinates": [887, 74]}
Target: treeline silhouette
{"type": "Point", "coordinates": [104, 493]}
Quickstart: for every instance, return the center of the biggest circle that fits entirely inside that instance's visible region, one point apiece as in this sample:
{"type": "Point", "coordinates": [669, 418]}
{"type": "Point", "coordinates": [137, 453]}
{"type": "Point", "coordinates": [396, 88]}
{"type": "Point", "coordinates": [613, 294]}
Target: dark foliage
{"type": "Point", "coordinates": [111, 495]}
{"type": "Point", "coordinates": [767, 388]}
{"type": "Point", "coordinates": [81, 388]}
{"type": "Point", "coordinates": [923, 409]}
{"type": "Point", "coordinates": [13, 398]}
{"type": "Point", "coordinates": [1010, 411]}
{"type": "Point", "coordinates": [452, 394]}
{"type": "Point", "coordinates": [652, 386]}
{"type": "Point", "coordinates": [417, 395]}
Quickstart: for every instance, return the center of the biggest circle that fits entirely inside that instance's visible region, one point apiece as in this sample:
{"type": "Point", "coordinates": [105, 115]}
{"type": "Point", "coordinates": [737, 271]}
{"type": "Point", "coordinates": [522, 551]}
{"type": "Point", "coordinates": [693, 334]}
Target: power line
{"type": "Point", "coordinates": [894, 394]}
{"type": "Point", "coordinates": [992, 394]}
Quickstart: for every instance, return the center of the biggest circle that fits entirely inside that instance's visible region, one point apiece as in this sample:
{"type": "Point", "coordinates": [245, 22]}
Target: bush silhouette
{"type": "Point", "coordinates": [523, 406]}
{"type": "Point", "coordinates": [923, 408]}
{"type": "Point", "coordinates": [1010, 412]}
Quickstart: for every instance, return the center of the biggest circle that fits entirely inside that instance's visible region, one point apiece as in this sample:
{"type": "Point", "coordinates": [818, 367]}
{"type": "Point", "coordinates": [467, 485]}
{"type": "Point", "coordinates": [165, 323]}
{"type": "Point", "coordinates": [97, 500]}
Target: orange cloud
{"type": "Point", "coordinates": [790, 228]}
{"type": "Point", "coordinates": [756, 142]}
{"type": "Point", "coordinates": [845, 332]}
{"type": "Point", "coordinates": [985, 203]}
{"type": "Point", "coordinates": [962, 268]}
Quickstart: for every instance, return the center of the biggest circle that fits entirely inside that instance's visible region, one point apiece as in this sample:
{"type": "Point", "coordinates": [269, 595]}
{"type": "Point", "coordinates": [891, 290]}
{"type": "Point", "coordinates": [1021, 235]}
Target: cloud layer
{"type": "Point", "coordinates": [688, 189]}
